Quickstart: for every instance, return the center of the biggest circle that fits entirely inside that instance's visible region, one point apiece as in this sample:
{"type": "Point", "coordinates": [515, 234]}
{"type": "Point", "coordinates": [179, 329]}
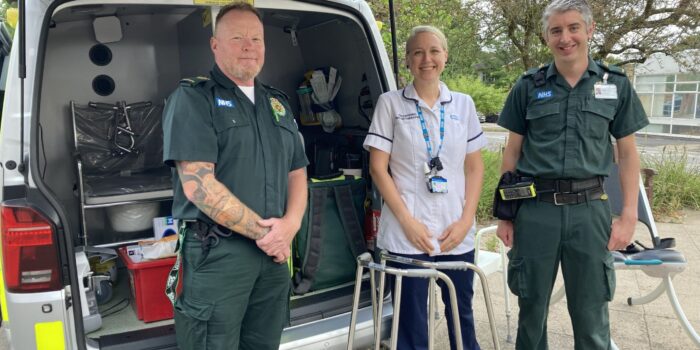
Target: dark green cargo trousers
{"type": "Point", "coordinates": [577, 237]}
{"type": "Point", "coordinates": [233, 297]}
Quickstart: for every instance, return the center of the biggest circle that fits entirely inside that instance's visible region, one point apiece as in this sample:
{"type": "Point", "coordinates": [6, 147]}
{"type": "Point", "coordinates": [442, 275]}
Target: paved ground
{"type": "Point", "coordinates": [650, 326]}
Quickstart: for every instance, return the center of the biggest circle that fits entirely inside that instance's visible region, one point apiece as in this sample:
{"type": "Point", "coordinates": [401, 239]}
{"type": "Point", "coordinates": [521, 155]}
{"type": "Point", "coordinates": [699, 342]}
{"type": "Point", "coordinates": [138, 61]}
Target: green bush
{"type": "Point", "coordinates": [488, 99]}
{"type": "Point", "coordinates": [676, 184]}
{"type": "Point", "coordinates": [492, 172]}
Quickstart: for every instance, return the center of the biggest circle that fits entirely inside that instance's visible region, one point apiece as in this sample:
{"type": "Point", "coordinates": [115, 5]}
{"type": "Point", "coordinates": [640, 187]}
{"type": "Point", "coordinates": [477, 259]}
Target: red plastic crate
{"type": "Point", "coordinates": [148, 280]}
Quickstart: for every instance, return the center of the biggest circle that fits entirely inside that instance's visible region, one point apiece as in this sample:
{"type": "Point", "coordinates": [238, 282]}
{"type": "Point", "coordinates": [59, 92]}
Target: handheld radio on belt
{"type": "Point", "coordinates": [518, 190]}
{"type": "Point", "coordinates": [511, 189]}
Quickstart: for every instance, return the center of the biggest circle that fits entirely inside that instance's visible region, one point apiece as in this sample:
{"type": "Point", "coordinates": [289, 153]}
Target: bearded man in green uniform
{"type": "Point", "coordinates": [239, 190]}
{"type": "Point", "coordinates": [560, 117]}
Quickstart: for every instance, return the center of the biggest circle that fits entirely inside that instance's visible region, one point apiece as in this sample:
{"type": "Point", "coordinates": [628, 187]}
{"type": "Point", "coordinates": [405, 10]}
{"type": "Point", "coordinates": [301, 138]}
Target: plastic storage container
{"type": "Point", "coordinates": [148, 280]}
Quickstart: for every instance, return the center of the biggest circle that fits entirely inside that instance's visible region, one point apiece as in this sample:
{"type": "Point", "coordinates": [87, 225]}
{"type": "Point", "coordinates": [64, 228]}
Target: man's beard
{"type": "Point", "coordinates": [243, 73]}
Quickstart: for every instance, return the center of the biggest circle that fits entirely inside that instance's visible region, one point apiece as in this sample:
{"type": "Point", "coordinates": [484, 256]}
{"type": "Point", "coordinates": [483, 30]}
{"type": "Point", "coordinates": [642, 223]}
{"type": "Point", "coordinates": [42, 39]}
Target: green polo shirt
{"type": "Point", "coordinates": [567, 130]}
{"type": "Point", "coordinates": [253, 147]}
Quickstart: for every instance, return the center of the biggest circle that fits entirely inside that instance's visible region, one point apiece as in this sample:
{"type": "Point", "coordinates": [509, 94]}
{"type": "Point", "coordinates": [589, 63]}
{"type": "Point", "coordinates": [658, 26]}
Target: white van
{"type": "Point", "coordinates": [112, 52]}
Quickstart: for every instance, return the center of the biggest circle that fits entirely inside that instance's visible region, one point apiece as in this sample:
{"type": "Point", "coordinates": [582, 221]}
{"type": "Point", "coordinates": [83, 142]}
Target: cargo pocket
{"type": "Point", "coordinates": [191, 322]}
{"type": "Point", "coordinates": [517, 277]}
{"type": "Point", "coordinates": [609, 270]}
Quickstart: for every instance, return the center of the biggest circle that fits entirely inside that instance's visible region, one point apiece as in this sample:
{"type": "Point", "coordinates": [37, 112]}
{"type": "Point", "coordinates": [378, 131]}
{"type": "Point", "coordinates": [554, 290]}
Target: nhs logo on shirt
{"type": "Point", "coordinates": [220, 102]}
{"type": "Point", "coordinates": [543, 94]}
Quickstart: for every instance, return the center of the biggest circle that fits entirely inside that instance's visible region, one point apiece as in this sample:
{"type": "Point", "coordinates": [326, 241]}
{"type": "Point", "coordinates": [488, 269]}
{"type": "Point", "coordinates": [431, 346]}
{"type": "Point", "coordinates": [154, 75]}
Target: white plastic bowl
{"type": "Point", "coordinates": [132, 217]}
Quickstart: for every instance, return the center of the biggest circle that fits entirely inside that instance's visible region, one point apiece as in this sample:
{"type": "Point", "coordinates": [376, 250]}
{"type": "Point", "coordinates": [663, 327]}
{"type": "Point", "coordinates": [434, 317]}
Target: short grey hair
{"type": "Point", "coordinates": [559, 6]}
{"type": "Point", "coordinates": [426, 29]}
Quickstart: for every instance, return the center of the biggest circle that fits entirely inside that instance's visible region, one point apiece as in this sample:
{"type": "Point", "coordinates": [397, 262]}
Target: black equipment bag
{"type": "Point", "coordinates": [331, 236]}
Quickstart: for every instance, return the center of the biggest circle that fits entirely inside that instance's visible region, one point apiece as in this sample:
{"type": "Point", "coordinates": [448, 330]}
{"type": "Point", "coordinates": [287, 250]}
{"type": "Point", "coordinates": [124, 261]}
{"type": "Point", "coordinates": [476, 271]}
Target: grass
{"type": "Point", "coordinates": [676, 184]}
{"type": "Point", "coordinates": [492, 172]}
{"type": "Point", "coordinates": [491, 243]}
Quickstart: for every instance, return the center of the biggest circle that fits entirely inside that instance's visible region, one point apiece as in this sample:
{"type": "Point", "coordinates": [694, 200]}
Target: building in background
{"type": "Point", "coordinates": [670, 94]}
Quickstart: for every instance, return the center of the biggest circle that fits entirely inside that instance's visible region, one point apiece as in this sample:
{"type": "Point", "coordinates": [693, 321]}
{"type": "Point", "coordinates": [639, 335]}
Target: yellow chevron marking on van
{"type": "Point", "coordinates": [49, 336]}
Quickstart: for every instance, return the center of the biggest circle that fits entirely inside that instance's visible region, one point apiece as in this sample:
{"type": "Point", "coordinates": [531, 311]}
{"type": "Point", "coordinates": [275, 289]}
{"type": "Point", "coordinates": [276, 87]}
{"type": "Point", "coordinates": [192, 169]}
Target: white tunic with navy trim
{"type": "Point", "coordinates": [396, 129]}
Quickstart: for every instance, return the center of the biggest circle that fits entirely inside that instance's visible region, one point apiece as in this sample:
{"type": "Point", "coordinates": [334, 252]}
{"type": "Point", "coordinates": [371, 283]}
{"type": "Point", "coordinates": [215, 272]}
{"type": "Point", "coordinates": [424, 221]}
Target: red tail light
{"type": "Point", "coordinates": [29, 250]}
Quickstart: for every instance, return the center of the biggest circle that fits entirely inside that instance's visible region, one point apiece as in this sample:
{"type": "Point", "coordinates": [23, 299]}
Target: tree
{"type": "Point", "coordinates": [632, 30]}
{"type": "Point", "coordinates": [626, 30]}
{"type": "Point", "coordinates": [453, 17]}
{"type": "Point", "coordinates": [487, 99]}
{"type": "Point", "coordinates": [8, 15]}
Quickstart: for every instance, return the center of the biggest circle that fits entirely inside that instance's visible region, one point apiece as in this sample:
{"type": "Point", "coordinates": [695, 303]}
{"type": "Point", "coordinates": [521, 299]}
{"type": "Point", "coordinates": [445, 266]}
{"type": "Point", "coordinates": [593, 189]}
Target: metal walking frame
{"type": "Point", "coordinates": [427, 270]}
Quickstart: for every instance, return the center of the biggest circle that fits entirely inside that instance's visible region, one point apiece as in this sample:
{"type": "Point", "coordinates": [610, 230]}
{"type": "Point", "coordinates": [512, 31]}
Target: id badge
{"type": "Point", "coordinates": [605, 91]}
{"type": "Point", "coordinates": [437, 184]}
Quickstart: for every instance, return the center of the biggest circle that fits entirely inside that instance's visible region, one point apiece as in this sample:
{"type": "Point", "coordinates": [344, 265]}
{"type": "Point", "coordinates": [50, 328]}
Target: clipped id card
{"type": "Point", "coordinates": [605, 91]}
{"type": "Point", "coordinates": [437, 184]}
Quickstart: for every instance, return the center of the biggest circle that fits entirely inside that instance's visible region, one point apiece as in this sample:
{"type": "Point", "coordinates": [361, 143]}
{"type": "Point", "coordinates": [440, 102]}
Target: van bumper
{"type": "Point", "coordinates": [332, 333]}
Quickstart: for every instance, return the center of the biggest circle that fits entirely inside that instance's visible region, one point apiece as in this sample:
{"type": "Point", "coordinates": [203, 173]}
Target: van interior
{"type": "Point", "coordinates": [105, 59]}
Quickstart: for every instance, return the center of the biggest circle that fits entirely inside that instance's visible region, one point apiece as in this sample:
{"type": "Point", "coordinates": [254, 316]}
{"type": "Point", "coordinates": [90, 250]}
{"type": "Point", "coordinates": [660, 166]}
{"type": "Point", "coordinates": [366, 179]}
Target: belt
{"type": "Point", "coordinates": [568, 185]}
{"type": "Point", "coordinates": [561, 198]}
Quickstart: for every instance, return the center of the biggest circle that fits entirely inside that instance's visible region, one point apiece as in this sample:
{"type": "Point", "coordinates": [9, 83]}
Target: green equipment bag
{"type": "Point", "coordinates": [330, 237]}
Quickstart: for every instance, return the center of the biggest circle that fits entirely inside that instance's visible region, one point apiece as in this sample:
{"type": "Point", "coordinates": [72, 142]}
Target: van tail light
{"type": "Point", "coordinates": [29, 250]}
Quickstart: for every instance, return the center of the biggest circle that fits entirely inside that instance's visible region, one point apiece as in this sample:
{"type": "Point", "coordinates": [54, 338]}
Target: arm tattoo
{"type": "Point", "coordinates": [216, 201]}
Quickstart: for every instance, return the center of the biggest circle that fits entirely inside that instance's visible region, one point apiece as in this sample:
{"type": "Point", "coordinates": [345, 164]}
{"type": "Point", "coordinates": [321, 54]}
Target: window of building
{"type": "Point", "coordinates": [691, 87]}
{"type": "Point", "coordinates": [671, 97]}
{"type": "Point", "coordinates": [646, 100]}
{"type": "Point", "coordinates": [688, 77]}
{"type": "Point", "coordinates": [686, 130]}
{"type": "Point", "coordinates": [684, 105]}
{"type": "Point", "coordinates": [657, 128]}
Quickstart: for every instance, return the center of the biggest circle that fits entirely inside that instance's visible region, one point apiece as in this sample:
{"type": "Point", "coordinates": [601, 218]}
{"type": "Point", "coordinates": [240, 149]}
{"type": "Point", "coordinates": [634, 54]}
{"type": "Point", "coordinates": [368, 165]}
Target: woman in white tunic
{"type": "Point", "coordinates": [430, 138]}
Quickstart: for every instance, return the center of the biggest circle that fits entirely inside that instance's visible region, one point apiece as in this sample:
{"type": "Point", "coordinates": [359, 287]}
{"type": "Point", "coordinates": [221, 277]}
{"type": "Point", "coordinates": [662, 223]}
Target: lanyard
{"type": "Point", "coordinates": [426, 136]}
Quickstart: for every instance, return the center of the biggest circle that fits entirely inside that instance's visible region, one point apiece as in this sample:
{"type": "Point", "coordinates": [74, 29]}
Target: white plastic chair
{"type": "Point", "coordinates": [490, 262]}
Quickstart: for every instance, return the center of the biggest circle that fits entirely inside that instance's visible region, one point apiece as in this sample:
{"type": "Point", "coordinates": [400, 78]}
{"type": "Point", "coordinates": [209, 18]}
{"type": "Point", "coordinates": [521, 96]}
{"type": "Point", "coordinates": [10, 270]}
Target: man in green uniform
{"type": "Point", "coordinates": [560, 117]}
{"type": "Point", "coordinates": [240, 192]}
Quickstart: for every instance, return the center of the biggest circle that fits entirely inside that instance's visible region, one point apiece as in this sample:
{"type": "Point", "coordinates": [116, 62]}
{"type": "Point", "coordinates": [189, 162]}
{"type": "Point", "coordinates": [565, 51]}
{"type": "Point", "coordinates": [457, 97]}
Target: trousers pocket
{"type": "Point", "coordinates": [192, 322]}
{"type": "Point", "coordinates": [517, 277]}
{"type": "Point", "coordinates": [609, 270]}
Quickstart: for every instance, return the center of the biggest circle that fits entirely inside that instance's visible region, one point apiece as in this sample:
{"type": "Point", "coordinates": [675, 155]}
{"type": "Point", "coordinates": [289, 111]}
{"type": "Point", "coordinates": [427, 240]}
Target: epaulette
{"type": "Point", "coordinates": [610, 68]}
{"type": "Point", "coordinates": [538, 74]}
{"type": "Point", "coordinates": [276, 90]}
{"type": "Point", "coordinates": [194, 81]}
